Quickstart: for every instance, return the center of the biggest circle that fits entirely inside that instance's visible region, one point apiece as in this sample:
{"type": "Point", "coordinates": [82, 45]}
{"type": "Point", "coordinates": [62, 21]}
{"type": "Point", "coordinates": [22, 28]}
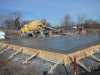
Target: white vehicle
{"type": "Point", "coordinates": [2, 35]}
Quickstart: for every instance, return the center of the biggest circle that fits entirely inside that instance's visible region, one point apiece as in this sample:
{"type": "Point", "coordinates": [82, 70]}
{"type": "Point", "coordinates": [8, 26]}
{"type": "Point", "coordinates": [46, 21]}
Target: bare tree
{"type": "Point", "coordinates": [81, 20]}
{"type": "Point", "coordinates": [66, 20]}
{"type": "Point", "coordinates": [89, 23]}
{"type": "Point", "coordinates": [65, 23]}
{"type": "Point", "coordinates": [2, 20]}
{"type": "Point", "coordinates": [12, 20]}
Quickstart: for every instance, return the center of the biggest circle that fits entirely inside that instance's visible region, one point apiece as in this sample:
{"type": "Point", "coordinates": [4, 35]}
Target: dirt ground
{"type": "Point", "coordinates": [7, 68]}
{"type": "Point", "coordinates": [11, 68]}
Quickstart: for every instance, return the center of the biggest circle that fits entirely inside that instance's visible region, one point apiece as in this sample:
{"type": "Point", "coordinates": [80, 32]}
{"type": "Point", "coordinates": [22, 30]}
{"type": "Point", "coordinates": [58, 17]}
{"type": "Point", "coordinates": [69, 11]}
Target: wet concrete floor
{"type": "Point", "coordinates": [62, 44]}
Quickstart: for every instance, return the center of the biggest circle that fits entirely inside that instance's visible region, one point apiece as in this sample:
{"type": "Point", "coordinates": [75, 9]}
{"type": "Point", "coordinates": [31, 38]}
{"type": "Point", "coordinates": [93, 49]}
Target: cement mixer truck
{"type": "Point", "coordinates": [34, 28]}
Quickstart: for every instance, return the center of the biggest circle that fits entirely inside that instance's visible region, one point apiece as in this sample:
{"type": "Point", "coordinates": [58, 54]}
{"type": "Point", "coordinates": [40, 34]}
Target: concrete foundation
{"type": "Point", "coordinates": [46, 62]}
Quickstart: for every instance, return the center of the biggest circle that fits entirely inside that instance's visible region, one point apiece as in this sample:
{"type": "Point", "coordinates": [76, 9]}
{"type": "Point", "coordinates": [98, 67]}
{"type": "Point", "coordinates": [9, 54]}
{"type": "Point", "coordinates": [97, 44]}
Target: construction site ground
{"type": "Point", "coordinates": [39, 66]}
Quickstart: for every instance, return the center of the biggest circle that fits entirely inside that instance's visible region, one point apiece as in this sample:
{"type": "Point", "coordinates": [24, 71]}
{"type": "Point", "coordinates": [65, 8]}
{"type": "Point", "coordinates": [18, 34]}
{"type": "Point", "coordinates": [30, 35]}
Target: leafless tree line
{"type": "Point", "coordinates": [10, 21]}
{"type": "Point", "coordinates": [13, 21]}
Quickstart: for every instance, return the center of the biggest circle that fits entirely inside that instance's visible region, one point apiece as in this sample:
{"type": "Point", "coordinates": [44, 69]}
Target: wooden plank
{"type": "Point", "coordinates": [14, 54]}
{"type": "Point", "coordinates": [83, 66]}
{"type": "Point", "coordinates": [30, 58]}
{"type": "Point", "coordinates": [4, 50]}
{"type": "Point", "coordinates": [51, 71]}
{"type": "Point", "coordinates": [95, 58]}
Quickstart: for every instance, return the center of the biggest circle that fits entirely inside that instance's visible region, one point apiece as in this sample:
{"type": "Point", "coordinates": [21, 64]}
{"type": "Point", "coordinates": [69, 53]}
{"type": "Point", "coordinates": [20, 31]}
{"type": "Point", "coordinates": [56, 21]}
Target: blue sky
{"type": "Point", "coordinates": [52, 10]}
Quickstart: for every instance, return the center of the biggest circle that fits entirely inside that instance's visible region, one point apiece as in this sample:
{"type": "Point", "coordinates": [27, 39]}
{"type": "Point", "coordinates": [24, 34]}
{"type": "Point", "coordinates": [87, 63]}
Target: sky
{"type": "Point", "coordinates": [52, 10]}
